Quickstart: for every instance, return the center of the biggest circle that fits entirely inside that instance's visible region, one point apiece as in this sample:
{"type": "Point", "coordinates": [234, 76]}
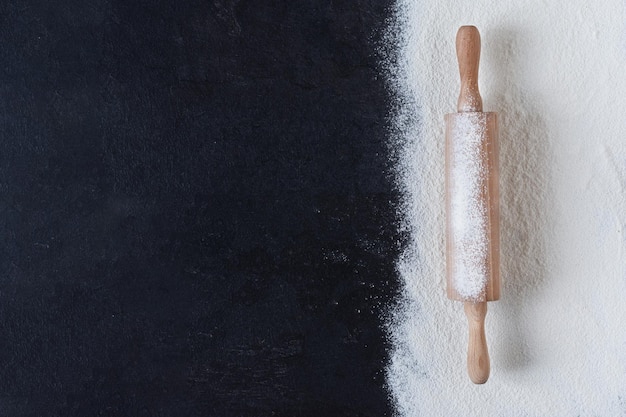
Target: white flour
{"type": "Point", "coordinates": [556, 74]}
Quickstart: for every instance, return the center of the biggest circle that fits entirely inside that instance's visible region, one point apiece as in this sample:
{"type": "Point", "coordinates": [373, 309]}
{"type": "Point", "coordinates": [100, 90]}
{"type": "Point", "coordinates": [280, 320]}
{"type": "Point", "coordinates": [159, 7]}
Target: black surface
{"type": "Point", "coordinates": [196, 213]}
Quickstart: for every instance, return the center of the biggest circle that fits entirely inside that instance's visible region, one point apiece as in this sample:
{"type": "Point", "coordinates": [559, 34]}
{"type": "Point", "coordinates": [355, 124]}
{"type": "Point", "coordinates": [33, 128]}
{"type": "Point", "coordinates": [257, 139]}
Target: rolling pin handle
{"type": "Point", "coordinates": [468, 55]}
{"type": "Point", "coordinates": [477, 353]}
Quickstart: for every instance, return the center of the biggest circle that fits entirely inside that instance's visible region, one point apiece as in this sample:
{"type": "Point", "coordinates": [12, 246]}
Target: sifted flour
{"type": "Point", "coordinates": [554, 72]}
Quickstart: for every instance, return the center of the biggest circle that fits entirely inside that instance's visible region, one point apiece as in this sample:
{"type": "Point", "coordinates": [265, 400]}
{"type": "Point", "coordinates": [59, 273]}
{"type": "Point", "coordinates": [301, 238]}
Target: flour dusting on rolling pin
{"type": "Point", "coordinates": [472, 211]}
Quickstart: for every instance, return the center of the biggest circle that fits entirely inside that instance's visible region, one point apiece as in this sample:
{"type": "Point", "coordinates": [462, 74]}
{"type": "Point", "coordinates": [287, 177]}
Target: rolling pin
{"type": "Point", "coordinates": [472, 209]}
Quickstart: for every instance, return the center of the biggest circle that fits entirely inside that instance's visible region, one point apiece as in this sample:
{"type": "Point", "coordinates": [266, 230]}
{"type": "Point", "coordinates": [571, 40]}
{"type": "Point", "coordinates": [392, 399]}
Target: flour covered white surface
{"type": "Point", "coordinates": [554, 72]}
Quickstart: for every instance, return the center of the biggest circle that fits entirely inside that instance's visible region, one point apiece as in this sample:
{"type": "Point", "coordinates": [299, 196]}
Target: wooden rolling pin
{"type": "Point", "coordinates": [472, 212]}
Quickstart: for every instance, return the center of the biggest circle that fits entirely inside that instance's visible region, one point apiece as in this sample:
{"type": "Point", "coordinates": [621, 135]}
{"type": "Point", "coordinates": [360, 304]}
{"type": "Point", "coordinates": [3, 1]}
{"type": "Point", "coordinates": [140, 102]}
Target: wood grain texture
{"type": "Point", "coordinates": [468, 56]}
{"type": "Point", "coordinates": [477, 353]}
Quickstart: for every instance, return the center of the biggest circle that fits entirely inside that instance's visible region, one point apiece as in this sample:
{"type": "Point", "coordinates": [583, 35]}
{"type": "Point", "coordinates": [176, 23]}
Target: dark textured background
{"type": "Point", "coordinates": [196, 212]}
